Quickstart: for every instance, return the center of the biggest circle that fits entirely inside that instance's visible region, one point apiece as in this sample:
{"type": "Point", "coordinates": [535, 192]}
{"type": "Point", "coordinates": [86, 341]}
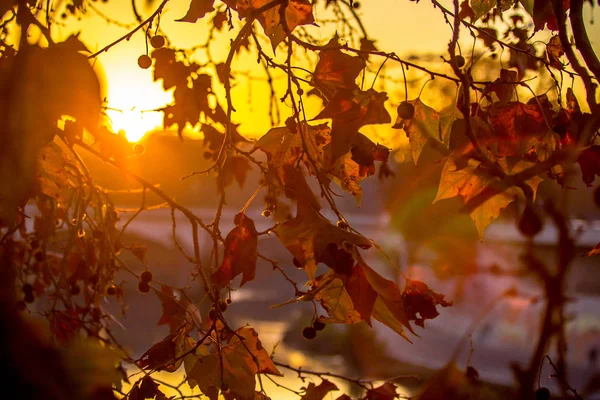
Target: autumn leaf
{"type": "Point", "coordinates": [163, 355]}
{"type": "Point", "coordinates": [386, 391]}
{"type": "Point", "coordinates": [466, 11]}
{"type": "Point", "coordinates": [447, 118]}
{"type": "Point", "coordinates": [504, 86]}
{"type": "Point", "coordinates": [284, 149]}
{"type": "Point", "coordinates": [234, 365]}
{"type": "Point", "coordinates": [349, 110]}
{"type": "Point", "coordinates": [53, 175]}
{"type": "Point", "coordinates": [197, 10]}
{"type": "Point", "coordinates": [361, 293]}
{"type": "Point", "coordinates": [554, 51]}
{"type": "Point", "coordinates": [424, 124]}
{"type": "Point", "coordinates": [240, 253]}
{"type": "Point", "coordinates": [420, 300]}
{"type": "Point", "coordinates": [177, 311]}
{"type": "Point", "coordinates": [140, 252]}
{"type": "Point", "coordinates": [297, 12]}
{"type": "Point", "coordinates": [314, 392]}
{"type": "Point", "coordinates": [166, 67]}
{"type": "Point", "coordinates": [589, 162]}
{"type": "Point", "coordinates": [512, 123]}
{"type": "Point", "coordinates": [471, 181]}
{"type": "Point", "coordinates": [235, 167]}
{"type": "Point", "coordinates": [336, 70]}
{"type": "Point", "coordinates": [308, 235]}
{"type": "Point", "coordinates": [330, 291]}
{"type": "Point", "coordinates": [482, 7]}
{"type": "Point", "coordinates": [543, 15]}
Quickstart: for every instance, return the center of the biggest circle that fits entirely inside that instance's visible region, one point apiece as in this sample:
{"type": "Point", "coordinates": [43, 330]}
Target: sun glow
{"type": "Point", "coordinates": [132, 100]}
{"type": "Point", "coordinates": [135, 123]}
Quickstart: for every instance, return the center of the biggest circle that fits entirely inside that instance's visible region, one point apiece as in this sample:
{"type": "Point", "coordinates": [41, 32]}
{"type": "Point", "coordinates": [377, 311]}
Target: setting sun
{"type": "Point", "coordinates": [135, 123]}
{"type": "Point", "coordinates": [132, 101]}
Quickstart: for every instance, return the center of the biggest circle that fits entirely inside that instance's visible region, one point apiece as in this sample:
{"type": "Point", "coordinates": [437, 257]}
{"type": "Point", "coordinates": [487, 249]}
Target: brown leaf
{"type": "Point", "coordinates": [512, 123]}
{"type": "Point", "coordinates": [361, 293]}
{"type": "Point", "coordinates": [297, 12]}
{"type": "Point", "coordinates": [386, 391]}
{"type": "Point", "coordinates": [197, 10]}
{"type": "Point", "coordinates": [140, 252]}
{"type": "Point", "coordinates": [543, 15]}
{"type": "Point", "coordinates": [554, 51]}
{"type": "Point", "coordinates": [234, 365]}
{"type": "Point", "coordinates": [420, 299]}
{"type": "Point", "coordinates": [314, 392]}
{"type": "Point", "coordinates": [240, 253]}
{"type": "Point", "coordinates": [349, 110]}
{"type": "Point", "coordinates": [53, 176]}
{"type": "Point", "coordinates": [161, 356]}
{"type": "Point", "coordinates": [336, 70]}
{"type": "Point", "coordinates": [178, 311]}
{"type": "Point", "coordinates": [308, 235]}
{"type": "Point", "coordinates": [235, 167]}
{"type": "Point", "coordinates": [424, 124]}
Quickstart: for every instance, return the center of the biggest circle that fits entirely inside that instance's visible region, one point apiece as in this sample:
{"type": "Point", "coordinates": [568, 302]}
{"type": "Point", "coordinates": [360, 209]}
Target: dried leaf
{"type": "Point", "coordinates": [314, 392]}
{"type": "Point", "coordinates": [471, 181]}
{"type": "Point", "coordinates": [420, 299]}
{"type": "Point", "coordinates": [240, 253]}
{"type": "Point", "coordinates": [234, 365]}
{"type": "Point", "coordinates": [297, 12]}
{"type": "Point", "coordinates": [424, 124]}
{"type": "Point", "coordinates": [308, 235]}
{"type": "Point", "coordinates": [178, 311]}
{"type": "Point", "coordinates": [554, 51]}
{"type": "Point", "coordinates": [386, 391]}
{"type": "Point", "coordinates": [589, 162]}
{"type": "Point", "coordinates": [336, 70]}
{"type": "Point", "coordinates": [197, 10]}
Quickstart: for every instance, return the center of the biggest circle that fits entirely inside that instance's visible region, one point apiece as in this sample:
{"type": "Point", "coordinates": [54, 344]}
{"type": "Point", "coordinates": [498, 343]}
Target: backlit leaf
{"type": "Point", "coordinates": [234, 365]}
{"type": "Point", "coordinates": [482, 7]}
{"type": "Point", "coordinates": [471, 181]}
{"type": "Point", "coordinates": [197, 10]}
{"type": "Point", "coordinates": [314, 392]}
{"type": "Point", "coordinates": [308, 235]}
{"type": "Point", "coordinates": [425, 124]}
{"type": "Point", "coordinates": [240, 253]}
{"type": "Point", "coordinates": [336, 70]}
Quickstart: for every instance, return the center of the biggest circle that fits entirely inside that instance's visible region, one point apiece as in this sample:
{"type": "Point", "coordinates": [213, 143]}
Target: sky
{"type": "Point", "coordinates": [401, 26]}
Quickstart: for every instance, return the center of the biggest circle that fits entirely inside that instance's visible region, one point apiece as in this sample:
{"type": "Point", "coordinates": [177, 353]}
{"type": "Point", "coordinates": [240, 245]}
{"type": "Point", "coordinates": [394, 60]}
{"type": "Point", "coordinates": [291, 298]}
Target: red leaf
{"type": "Point", "coordinates": [513, 122]}
{"type": "Point", "coordinates": [543, 15]}
{"type": "Point", "coordinates": [240, 253]}
{"type": "Point", "coordinates": [361, 293]}
{"type": "Point", "coordinates": [589, 161]}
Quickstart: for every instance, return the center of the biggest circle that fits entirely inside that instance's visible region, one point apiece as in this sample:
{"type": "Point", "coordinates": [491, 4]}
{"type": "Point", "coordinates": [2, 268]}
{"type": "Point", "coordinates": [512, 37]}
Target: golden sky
{"type": "Point", "coordinates": [401, 26]}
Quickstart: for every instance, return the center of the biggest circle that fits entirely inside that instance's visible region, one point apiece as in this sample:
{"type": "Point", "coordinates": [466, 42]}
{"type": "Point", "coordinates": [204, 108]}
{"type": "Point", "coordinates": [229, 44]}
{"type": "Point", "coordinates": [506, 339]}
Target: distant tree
{"type": "Point", "coordinates": [499, 139]}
